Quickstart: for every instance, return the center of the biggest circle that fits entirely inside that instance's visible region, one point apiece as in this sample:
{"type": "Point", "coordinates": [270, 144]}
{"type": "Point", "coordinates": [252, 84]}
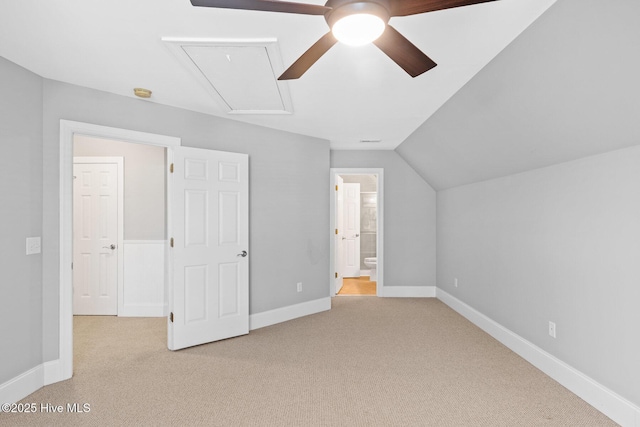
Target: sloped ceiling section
{"type": "Point", "coordinates": [349, 95]}
{"type": "Point", "coordinates": [566, 88]}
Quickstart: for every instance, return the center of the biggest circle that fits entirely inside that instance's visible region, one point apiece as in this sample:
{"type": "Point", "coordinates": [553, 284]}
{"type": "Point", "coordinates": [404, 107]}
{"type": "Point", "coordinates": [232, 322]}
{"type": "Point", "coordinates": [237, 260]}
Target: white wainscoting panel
{"type": "Point", "coordinates": [143, 290]}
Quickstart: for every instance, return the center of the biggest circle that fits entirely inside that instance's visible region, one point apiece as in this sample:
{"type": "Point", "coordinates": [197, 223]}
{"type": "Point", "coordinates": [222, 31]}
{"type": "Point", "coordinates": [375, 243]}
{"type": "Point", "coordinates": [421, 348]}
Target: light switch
{"type": "Point", "coordinates": [34, 245]}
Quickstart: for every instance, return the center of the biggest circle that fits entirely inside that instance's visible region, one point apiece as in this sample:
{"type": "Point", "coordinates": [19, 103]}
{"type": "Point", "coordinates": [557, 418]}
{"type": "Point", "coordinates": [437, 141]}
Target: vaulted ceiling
{"type": "Point", "coordinates": [349, 95]}
{"type": "Point", "coordinates": [520, 84]}
{"type": "Point", "coordinates": [566, 88]}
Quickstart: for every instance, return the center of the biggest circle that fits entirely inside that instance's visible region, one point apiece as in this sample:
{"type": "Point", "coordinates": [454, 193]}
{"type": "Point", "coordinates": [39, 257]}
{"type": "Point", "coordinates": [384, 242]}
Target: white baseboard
{"type": "Point", "coordinates": [279, 315]}
{"type": "Point", "coordinates": [34, 379]}
{"type": "Point", "coordinates": [408, 291]}
{"type": "Point", "coordinates": [141, 310]}
{"type": "Point", "coordinates": [53, 372]}
{"type": "Point", "coordinates": [23, 385]}
{"type": "Point", "coordinates": [604, 400]}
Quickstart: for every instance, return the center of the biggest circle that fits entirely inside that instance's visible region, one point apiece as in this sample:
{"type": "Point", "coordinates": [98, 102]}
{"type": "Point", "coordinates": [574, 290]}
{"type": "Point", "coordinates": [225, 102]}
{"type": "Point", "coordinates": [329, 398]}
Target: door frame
{"type": "Point", "coordinates": [62, 369]}
{"type": "Point", "coordinates": [379, 172]}
{"type": "Point", "coordinates": [119, 162]}
{"type": "Point", "coordinates": [338, 256]}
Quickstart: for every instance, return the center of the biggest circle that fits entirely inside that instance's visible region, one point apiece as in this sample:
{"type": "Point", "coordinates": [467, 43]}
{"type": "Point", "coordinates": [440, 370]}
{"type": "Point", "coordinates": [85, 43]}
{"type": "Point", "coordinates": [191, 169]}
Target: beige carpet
{"type": "Point", "coordinates": [367, 362]}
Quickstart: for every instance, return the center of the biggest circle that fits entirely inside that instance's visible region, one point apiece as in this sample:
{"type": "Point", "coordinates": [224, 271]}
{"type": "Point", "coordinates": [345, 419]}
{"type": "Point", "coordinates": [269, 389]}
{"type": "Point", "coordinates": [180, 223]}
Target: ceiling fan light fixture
{"type": "Point", "coordinates": [356, 23]}
{"type": "Point", "coordinates": [358, 29]}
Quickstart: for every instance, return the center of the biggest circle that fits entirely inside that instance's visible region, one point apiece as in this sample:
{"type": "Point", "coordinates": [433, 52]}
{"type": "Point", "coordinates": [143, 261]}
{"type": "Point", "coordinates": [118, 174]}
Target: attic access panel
{"type": "Point", "coordinates": [240, 74]}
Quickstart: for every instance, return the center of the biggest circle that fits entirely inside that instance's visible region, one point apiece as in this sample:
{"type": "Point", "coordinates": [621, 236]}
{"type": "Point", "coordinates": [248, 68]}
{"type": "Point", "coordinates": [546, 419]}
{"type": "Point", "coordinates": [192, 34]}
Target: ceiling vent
{"type": "Point", "coordinates": [240, 74]}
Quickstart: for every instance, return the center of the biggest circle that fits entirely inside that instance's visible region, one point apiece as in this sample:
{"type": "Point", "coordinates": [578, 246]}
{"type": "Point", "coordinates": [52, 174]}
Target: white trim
{"type": "Point", "coordinates": [70, 128]}
{"type": "Point", "coordinates": [279, 315]}
{"type": "Point", "coordinates": [409, 291]}
{"type": "Point", "coordinates": [67, 130]}
{"type": "Point", "coordinates": [604, 400]}
{"type": "Point", "coordinates": [23, 385]}
{"type": "Point", "coordinates": [52, 371]}
{"type": "Point", "coordinates": [379, 172]}
{"type": "Point", "coordinates": [119, 162]}
{"type": "Point", "coordinates": [28, 382]}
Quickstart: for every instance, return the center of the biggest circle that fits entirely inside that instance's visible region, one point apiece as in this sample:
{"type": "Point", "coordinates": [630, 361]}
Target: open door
{"type": "Point", "coordinates": [339, 236]}
{"type": "Point", "coordinates": [352, 230]}
{"type": "Point", "coordinates": [209, 291]}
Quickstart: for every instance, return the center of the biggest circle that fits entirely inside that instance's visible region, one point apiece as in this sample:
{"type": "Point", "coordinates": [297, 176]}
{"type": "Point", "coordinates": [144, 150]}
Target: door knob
{"type": "Point", "coordinates": [112, 247]}
{"type": "Point", "coordinates": [243, 254]}
{"type": "Point", "coordinates": [357, 235]}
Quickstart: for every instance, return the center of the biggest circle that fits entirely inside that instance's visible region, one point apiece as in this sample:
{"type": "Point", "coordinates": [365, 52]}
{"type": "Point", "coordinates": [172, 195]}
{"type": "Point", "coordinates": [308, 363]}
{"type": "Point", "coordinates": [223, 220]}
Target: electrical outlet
{"type": "Point", "coordinates": [34, 245]}
{"type": "Point", "coordinates": [552, 329]}
{"type": "Point", "coordinates": [299, 286]}
{"type": "Point", "coordinates": [455, 282]}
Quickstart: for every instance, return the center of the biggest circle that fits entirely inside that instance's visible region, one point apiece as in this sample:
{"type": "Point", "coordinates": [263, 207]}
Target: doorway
{"type": "Point", "coordinates": [347, 226]}
{"type": "Point", "coordinates": [142, 227]}
{"type": "Point", "coordinates": [62, 369]}
{"type": "Point", "coordinates": [227, 215]}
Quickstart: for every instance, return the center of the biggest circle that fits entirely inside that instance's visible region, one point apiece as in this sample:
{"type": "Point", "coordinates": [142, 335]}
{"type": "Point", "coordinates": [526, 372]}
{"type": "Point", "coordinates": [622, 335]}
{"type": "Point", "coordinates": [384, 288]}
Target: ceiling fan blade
{"type": "Point", "coordinates": [403, 52]}
{"type": "Point", "coordinates": [265, 5]}
{"type": "Point", "coordinates": [413, 7]}
{"type": "Point", "coordinates": [309, 58]}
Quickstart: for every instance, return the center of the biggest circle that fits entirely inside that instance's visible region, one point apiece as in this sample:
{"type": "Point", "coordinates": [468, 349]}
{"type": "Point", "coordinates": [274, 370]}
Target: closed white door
{"type": "Point", "coordinates": [95, 238]}
{"type": "Point", "coordinates": [339, 236]}
{"type": "Point", "coordinates": [209, 295]}
{"type": "Point", "coordinates": [352, 230]}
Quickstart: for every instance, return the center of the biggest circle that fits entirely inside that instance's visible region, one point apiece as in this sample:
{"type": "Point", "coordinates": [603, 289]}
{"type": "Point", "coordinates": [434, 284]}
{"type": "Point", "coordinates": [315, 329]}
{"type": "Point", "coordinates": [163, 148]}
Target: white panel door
{"type": "Point", "coordinates": [95, 239]}
{"type": "Point", "coordinates": [351, 230]}
{"type": "Point", "coordinates": [339, 236]}
{"type": "Point", "coordinates": [209, 295]}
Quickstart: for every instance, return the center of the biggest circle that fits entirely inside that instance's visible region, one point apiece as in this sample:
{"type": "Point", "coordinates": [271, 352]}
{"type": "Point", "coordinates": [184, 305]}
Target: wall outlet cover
{"type": "Point", "coordinates": [34, 245]}
{"type": "Point", "coordinates": [552, 329]}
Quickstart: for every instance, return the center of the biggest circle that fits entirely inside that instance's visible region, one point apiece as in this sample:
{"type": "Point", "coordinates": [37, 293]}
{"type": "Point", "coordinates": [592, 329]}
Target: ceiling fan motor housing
{"type": "Point", "coordinates": [342, 8]}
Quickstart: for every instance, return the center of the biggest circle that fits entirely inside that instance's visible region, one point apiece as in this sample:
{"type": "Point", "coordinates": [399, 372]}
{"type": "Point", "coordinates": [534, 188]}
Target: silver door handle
{"type": "Point", "coordinates": [243, 254]}
{"type": "Point", "coordinates": [112, 247]}
{"type": "Point", "coordinates": [357, 235]}
{"type": "Point", "coordinates": [344, 238]}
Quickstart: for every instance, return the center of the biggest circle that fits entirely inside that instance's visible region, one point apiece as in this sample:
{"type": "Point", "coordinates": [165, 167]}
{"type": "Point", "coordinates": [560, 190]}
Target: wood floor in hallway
{"type": "Point", "coordinates": [357, 286]}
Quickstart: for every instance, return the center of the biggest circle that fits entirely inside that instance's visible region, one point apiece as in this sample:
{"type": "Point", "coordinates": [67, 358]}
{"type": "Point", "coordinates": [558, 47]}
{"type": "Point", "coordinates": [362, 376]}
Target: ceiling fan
{"type": "Point", "coordinates": [354, 22]}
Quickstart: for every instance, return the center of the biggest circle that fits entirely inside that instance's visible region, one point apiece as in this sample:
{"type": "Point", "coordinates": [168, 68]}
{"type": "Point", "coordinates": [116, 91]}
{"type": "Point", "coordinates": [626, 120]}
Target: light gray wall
{"type": "Point", "coordinates": [557, 244]}
{"type": "Point", "coordinates": [288, 173]}
{"type": "Point", "coordinates": [20, 217]}
{"type": "Point", "coordinates": [566, 88]}
{"type": "Point", "coordinates": [144, 183]}
{"type": "Point", "coordinates": [409, 217]}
